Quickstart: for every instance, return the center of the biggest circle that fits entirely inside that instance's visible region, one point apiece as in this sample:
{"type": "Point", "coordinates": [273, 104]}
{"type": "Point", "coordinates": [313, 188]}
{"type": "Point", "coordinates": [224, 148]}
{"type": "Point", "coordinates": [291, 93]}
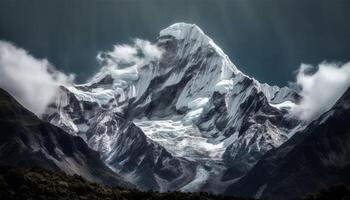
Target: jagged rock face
{"type": "Point", "coordinates": [192, 113]}
{"type": "Point", "coordinates": [317, 157]}
{"type": "Point", "coordinates": [26, 141]}
{"type": "Point", "coordinates": [128, 151]}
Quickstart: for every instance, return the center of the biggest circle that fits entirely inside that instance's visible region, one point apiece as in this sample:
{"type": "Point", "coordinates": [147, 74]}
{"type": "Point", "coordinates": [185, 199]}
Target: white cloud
{"type": "Point", "coordinates": [150, 51]}
{"type": "Point", "coordinates": [320, 90]}
{"type": "Point", "coordinates": [33, 82]}
{"type": "Point", "coordinates": [137, 54]}
{"type": "Point", "coordinates": [123, 54]}
{"type": "Point", "coordinates": [123, 63]}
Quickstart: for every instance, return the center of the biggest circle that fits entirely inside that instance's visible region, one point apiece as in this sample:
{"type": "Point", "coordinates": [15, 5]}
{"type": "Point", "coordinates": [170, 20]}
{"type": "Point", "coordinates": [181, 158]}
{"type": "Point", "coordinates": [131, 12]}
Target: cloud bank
{"type": "Point", "coordinates": [33, 82]}
{"type": "Point", "coordinates": [321, 89]}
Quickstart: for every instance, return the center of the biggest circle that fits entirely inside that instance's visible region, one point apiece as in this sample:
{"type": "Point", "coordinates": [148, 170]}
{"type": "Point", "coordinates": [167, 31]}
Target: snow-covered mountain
{"type": "Point", "coordinates": [187, 121]}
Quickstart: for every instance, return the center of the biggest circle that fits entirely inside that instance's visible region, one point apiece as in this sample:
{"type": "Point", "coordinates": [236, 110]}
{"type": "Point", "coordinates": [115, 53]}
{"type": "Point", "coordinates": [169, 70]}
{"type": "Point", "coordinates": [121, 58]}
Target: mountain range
{"type": "Point", "coordinates": [189, 121]}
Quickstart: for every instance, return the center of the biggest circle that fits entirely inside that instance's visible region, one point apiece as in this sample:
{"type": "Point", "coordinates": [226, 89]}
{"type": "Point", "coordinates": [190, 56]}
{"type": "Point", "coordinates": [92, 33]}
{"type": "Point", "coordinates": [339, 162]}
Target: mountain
{"type": "Point", "coordinates": [26, 141]}
{"type": "Point", "coordinates": [189, 121]}
{"type": "Point", "coordinates": [314, 158]}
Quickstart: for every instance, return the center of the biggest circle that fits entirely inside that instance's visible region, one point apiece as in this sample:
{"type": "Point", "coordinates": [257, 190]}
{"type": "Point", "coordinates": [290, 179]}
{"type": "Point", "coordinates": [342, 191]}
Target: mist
{"type": "Point", "coordinates": [320, 89]}
{"type": "Point", "coordinates": [33, 82]}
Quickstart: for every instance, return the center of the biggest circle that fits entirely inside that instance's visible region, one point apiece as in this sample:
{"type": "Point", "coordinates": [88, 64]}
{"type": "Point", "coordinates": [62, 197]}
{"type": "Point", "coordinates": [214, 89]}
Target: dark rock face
{"type": "Point", "coordinates": [26, 141]}
{"type": "Point", "coordinates": [317, 157]}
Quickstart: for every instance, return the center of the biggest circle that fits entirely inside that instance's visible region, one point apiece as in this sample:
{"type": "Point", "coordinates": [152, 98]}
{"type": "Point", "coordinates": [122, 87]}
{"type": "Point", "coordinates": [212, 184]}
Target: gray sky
{"type": "Point", "coordinates": [266, 39]}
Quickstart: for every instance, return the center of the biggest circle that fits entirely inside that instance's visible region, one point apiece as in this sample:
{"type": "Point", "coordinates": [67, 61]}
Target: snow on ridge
{"type": "Point", "coordinates": [180, 30]}
{"type": "Point", "coordinates": [192, 37]}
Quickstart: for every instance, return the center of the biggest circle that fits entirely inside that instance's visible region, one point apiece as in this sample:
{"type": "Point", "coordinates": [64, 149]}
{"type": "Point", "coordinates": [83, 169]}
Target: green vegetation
{"type": "Point", "coordinates": [39, 184]}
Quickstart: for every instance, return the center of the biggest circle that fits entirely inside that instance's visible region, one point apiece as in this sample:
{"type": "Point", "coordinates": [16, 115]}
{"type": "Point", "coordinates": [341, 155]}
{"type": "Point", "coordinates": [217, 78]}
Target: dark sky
{"type": "Point", "coordinates": [266, 39]}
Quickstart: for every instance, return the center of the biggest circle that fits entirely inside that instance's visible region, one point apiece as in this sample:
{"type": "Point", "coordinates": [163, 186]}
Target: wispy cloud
{"type": "Point", "coordinates": [124, 61]}
{"type": "Point", "coordinates": [138, 53]}
{"type": "Point", "coordinates": [33, 82]}
{"type": "Point", "coordinates": [321, 89]}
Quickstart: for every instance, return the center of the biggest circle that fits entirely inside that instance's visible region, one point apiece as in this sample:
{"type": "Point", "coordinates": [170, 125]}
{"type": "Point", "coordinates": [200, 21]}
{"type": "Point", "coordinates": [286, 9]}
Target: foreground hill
{"type": "Point", "coordinates": [40, 184]}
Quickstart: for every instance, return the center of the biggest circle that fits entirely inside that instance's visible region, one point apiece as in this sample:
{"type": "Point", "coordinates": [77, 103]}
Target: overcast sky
{"type": "Point", "coordinates": [266, 39]}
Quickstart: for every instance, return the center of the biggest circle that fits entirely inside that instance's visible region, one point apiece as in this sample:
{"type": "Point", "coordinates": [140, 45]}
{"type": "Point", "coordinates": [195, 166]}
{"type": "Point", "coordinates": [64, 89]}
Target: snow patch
{"type": "Point", "coordinates": [199, 180]}
{"type": "Point", "coordinates": [284, 105]}
{"type": "Point", "coordinates": [224, 86]}
{"type": "Point", "coordinates": [200, 102]}
{"type": "Point", "coordinates": [197, 107]}
{"type": "Point", "coordinates": [260, 191]}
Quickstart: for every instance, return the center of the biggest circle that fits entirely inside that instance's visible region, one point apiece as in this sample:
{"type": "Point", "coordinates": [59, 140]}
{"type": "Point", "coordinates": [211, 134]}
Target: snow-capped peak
{"type": "Point", "coordinates": [194, 37]}
{"type": "Point", "coordinates": [182, 30]}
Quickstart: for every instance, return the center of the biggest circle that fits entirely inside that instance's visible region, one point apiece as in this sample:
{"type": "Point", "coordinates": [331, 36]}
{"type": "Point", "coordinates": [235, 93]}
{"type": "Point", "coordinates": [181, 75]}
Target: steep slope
{"type": "Point", "coordinates": [193, 103]}
{"type": "Point", "coordinates": [26, 141]}
{"type": "Point", "coordinates": [312, 159]}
